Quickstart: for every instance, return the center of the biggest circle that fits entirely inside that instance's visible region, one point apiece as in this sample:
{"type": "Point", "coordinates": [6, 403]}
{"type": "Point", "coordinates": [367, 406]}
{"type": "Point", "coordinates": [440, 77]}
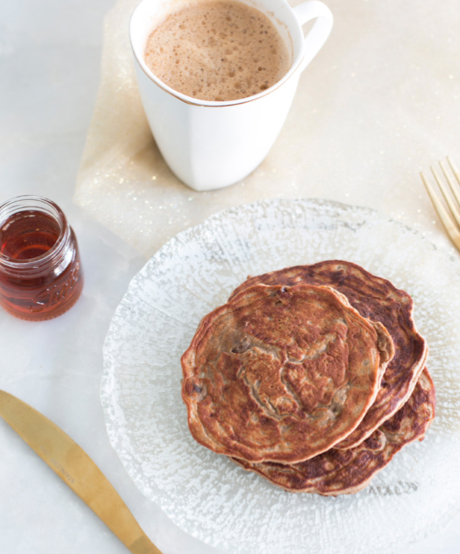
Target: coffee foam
{"type": "Point", "coordinates": [217, 50]}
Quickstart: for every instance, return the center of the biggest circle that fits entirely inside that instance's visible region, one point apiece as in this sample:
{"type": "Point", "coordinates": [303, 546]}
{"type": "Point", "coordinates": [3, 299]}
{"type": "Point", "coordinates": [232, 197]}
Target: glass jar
{"type": "Point", "coordinates": [40, 269]}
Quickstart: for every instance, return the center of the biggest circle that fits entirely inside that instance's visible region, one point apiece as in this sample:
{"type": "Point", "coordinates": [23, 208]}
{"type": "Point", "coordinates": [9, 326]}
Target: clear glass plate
{"type": "Point", "coordinates": [206, 494]}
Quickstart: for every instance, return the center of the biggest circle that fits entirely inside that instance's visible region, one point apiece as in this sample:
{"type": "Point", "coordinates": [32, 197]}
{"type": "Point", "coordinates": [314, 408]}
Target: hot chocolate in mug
{"type": "Point", "coordinates": [213, 144]}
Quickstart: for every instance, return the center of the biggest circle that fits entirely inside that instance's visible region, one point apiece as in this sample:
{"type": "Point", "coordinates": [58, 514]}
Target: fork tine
{"type": "Point", "coordinates": [455, 189]}
{"type": "Point", "coordinates": [454, 169]}
{"type": "Point", "coordinates": [447, 198]}
{"type": "Point", "coordinates": [445, 218]}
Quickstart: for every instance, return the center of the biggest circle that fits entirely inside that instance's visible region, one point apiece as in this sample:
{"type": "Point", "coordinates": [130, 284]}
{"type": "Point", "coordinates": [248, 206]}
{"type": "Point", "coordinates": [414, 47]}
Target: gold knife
{"type": "Point", "coordinates": [77, 470]}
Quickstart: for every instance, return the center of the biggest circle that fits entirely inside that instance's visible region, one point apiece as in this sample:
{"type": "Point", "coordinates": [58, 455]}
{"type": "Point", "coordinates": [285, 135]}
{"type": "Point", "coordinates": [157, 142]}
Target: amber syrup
{"type": "Point", "coordinates": [28, 234]}
{"type": "Point", "coordinates": [41, 277]}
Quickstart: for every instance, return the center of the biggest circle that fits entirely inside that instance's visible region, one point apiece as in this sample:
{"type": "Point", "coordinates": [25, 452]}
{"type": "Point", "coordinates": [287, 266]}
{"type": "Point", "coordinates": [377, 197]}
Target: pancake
{"type": "Point", "coordinates": [376, 299]}
{"type": "Point", "coordinates": [348, 471]}
{"type": "Point", "coordinates": [282, 374]}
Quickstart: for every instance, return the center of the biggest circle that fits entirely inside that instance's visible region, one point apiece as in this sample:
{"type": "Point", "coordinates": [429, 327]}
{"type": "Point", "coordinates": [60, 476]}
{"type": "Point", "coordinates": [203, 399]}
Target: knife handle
{"type": "Point", "coordinates": [71, 463]}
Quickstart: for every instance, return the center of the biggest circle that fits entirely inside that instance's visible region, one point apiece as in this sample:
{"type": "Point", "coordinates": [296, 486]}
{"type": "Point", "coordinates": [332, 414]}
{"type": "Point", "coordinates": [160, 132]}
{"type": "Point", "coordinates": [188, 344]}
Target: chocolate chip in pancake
{"type": "Point", "coordinates": [282, 373]}
{"type": "Point", "coordinates": [348, 471]}
{"type": "Point", "coordinates": [377, 299]}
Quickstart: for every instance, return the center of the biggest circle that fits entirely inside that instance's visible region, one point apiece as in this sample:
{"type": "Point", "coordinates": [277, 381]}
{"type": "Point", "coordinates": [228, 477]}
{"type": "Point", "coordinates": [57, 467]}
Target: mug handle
{"type": "Point", "coordinates": [320, 30]}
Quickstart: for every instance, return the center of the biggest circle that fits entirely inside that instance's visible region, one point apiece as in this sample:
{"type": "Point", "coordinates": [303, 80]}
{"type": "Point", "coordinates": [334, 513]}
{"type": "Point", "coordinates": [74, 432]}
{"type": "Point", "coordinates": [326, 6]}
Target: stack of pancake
{"type": "Point", "coordinates": [312, 376]}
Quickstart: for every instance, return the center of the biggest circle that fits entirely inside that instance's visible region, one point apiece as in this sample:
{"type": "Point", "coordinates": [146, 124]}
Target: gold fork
{"type": "Point", "coordinates": [450, 221]}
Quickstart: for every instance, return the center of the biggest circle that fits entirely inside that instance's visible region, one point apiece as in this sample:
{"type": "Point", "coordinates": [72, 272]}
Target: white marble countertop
{"type": "Point", "coordinates": [49, 73]}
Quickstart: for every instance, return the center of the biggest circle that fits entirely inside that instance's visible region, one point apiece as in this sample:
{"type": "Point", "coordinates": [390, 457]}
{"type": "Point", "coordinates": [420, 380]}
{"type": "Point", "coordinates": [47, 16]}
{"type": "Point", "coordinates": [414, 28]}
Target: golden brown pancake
{"type": "Point", "coordinates": [348, 471]}
{"type": "Point", "coordinates": [282, 373]}
{"type": "Point", "coordinates": [377, 299]}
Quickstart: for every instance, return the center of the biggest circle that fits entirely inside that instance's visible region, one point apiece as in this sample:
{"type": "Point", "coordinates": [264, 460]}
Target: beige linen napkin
{"type": "Point", "coordinates": [372, 108]}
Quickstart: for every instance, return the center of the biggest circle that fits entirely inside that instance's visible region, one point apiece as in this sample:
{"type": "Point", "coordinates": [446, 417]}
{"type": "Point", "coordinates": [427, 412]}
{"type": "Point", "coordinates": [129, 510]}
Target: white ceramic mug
{"type": "Point", "coordinates": [210, 145]}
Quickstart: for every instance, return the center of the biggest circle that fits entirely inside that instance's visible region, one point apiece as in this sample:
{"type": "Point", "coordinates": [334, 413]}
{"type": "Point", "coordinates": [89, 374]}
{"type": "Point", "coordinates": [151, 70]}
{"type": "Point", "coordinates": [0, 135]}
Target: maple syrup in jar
{"type": "Point", "coordinates": [40, 268]}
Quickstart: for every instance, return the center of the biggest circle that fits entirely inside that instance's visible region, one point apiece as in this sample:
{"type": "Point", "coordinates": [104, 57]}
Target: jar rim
{"type": "Point", "coordinates": [25, 202]}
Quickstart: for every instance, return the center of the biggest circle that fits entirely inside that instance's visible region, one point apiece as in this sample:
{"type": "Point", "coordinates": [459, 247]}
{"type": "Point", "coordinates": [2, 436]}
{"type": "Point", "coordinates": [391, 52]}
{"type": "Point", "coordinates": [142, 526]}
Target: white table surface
{"type": "Point", "coordinates": [49, 73]}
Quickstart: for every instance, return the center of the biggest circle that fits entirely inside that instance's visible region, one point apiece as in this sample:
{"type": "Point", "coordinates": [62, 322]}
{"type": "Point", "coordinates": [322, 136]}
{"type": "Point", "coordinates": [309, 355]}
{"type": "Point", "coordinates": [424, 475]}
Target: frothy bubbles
{"type": "Point", "coordinates": [217, 50]}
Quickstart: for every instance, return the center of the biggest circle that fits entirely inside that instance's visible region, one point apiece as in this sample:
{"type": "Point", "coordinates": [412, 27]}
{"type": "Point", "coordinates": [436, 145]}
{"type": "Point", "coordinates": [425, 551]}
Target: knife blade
{"type": "Point", "coordinates": [71, 463]}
